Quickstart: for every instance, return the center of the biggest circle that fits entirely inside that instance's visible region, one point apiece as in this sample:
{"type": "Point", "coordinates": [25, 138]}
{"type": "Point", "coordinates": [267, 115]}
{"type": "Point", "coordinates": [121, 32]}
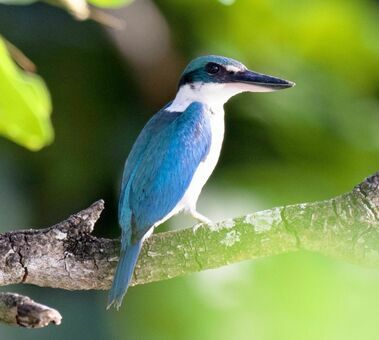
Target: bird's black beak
{"type": "Point", "coordinates": [258, 82]}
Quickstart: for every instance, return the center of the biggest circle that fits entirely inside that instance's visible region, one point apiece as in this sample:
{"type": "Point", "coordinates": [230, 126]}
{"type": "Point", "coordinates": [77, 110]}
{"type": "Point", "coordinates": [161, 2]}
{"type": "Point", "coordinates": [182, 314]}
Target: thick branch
{"type": "Point", "coordinates": [20, 310]}
{"type": "Point", "coordinates": [68, 256]}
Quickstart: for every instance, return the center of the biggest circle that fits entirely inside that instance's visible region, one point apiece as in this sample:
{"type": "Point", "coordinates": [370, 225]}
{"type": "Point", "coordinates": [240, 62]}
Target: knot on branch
{"type": "Point", "coordinates": [370, 189]}
{"type": "Point", "coordinates": [368, 193]}
{"type": "Point", "coordinates": [82, 222]}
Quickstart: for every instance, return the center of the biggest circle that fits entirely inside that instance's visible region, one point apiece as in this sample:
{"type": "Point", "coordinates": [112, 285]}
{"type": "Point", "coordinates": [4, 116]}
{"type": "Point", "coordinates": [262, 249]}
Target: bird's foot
{"type": "Point", "coordinates": [196, 226]}
{"type": "Point", "coordinates": [201, 219]}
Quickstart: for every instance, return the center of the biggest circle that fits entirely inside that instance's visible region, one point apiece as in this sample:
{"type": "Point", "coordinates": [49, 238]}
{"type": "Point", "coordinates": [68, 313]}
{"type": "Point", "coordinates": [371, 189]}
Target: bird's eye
{"type": "Point", "coordinates": [212, 68]}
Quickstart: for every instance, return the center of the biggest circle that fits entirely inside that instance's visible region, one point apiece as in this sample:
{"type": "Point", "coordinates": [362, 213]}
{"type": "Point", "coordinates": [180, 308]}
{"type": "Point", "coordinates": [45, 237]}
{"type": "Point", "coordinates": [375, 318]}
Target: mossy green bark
{"type": "Point", "coordinates": [345, 227]}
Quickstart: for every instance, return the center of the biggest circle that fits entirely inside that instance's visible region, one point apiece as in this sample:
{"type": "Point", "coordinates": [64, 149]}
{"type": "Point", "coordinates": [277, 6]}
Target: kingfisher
{"type": "Point", "coordinates": [175, 154]}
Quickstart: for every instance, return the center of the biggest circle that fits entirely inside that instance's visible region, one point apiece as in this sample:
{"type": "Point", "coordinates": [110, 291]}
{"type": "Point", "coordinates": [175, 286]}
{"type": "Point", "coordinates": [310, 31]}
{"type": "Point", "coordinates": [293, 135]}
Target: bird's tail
{"type": "Point", "coordinates": [124, 272]}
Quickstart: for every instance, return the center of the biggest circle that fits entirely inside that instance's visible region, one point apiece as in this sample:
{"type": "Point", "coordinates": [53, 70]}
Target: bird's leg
{"type": "Point", "coordinates": [200, 218]}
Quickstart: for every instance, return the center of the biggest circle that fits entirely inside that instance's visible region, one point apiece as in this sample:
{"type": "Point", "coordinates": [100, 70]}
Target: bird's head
{"type": "Point", "coordinates": [219, 78]}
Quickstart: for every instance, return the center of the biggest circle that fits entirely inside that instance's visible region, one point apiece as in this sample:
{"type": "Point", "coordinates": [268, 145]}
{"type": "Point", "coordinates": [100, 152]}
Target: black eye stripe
{"type": "Point", "coordinates": [212, 68]}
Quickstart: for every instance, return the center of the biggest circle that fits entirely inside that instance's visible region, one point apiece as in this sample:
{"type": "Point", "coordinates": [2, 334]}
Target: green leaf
{"type": "Point", "coordinates": [109, 3]}
{"type": "Point", "coordinates": [25, 105]}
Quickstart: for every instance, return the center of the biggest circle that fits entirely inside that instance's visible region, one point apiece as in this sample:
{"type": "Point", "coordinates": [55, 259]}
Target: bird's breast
{"type": "Point", "coordinates": [206, 167]}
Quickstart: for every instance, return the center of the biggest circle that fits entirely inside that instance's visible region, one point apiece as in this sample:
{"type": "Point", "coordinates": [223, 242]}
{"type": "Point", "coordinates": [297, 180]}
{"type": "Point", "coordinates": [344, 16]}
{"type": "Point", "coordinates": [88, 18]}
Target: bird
{"type": "Point", "coordinates": [175, 154]}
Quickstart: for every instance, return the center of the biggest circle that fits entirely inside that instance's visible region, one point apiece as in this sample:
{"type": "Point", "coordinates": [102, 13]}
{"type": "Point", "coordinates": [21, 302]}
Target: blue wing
{"type": "Point", "coordinates": [157, 123]}
{"type": "Point", "coordinates": [160, 167]}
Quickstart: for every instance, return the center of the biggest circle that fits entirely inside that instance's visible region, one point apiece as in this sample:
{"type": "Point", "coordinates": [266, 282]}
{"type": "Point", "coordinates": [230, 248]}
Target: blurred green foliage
{"type": "Point", "coordinates": [294, 296]}
{"type": "Point", "coordinates": [312, 142]}
{"type": "Point", "coordinates": [25, 105]}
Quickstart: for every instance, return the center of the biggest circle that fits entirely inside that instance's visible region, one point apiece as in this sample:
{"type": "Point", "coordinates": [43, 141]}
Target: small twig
{"type": "Point", "coordinates": [106, 19]}
{"type": "Point", "coordinates": [80, 10]}
{"type": "Point", "coordinates": [20, 58]}
{"type": "Point", "coordinates": [20, 310]}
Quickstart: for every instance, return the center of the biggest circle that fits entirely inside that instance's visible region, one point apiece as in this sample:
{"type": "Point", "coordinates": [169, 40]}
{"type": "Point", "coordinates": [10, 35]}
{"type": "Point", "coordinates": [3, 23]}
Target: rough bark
{"type": "Point", "coordinates": [67, 256]}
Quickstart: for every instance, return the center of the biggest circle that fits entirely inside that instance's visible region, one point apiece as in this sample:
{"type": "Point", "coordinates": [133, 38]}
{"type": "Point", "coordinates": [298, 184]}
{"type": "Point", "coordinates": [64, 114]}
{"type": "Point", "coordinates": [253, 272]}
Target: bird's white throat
{"type": "Point", "coordinates": [215, 95]}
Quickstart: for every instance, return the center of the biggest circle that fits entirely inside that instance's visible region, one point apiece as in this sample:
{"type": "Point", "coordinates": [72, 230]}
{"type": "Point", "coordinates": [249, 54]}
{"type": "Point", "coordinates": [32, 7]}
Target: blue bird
{"type": "Point", "coordinates": [176, 152]}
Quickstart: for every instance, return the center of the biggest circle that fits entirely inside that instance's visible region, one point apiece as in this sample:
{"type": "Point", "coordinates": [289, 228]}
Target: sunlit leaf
{"type": "Point", "coordinates": [25, 105]}
{"type": "Point", "coordinates": [109, 3]}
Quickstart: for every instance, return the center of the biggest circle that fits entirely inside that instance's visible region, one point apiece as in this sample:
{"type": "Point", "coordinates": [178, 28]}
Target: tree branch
{"type": "Point", "coordinates": [67, 256]}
